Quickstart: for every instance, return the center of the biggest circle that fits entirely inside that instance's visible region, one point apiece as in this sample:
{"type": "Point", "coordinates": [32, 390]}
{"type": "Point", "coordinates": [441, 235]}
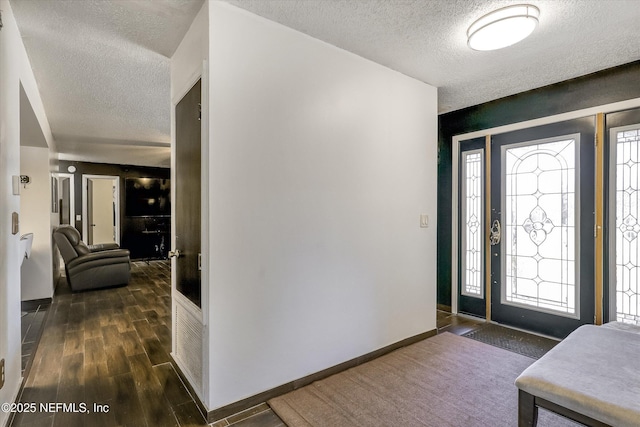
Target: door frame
{"type": "Point", "coordinates": [72, 197]}
{"type": "Point", "coordinates": [85, 222]}
{"type": "Point", "coordinates": [202, 313]}
{"type": "Point", "coordinates": [455, 170]}
{"type": "Point", "coordinates": [201, 75]}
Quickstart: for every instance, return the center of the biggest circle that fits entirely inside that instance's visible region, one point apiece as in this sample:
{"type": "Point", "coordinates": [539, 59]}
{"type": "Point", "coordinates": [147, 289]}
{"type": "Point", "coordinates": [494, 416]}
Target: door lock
{"type": "Point", "coordinates": [495, 233]}
{"type": "Point", "coordinates": [174, 254]}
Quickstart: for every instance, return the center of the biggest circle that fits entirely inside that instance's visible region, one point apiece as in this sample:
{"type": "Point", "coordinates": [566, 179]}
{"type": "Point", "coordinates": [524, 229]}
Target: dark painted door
{"type": "Point", "coordinates": [542, 214]}
{"type": "Point", "coordinates": [187, 196]}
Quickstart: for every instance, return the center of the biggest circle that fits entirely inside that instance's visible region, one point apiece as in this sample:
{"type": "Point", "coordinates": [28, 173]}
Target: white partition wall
{"type": "Point", "coordinates": [14, 71]}
{"type": "Point", "coordinates": [320, 165]}
{"type": "Point", "coordinates": [317, 167]}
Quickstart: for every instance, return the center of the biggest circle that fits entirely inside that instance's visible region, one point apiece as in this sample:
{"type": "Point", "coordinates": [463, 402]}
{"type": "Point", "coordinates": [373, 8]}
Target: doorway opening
{"type": "Point", "coordinates": [100, 209]}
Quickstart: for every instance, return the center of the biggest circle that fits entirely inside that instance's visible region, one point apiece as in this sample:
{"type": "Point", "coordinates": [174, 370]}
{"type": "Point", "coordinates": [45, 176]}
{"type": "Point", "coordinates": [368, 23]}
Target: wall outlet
{"type": "Point", "coordinates": [2, 373]}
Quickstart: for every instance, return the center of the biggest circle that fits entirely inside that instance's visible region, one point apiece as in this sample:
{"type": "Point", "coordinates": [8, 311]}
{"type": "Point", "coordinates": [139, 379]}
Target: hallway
{"type": "Point", "coordinates": [110, 347]}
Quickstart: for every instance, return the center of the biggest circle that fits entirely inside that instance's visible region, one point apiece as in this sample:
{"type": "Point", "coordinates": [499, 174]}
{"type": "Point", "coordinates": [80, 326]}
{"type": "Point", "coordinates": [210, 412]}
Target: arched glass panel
{"type": "Point", "coordinates": [539, 226]}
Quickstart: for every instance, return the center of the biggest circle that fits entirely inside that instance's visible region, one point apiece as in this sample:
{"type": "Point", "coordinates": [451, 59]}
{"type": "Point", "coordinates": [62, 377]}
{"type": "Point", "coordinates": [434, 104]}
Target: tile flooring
{"type": "Point", "coordinates": [459, 325]}
{"type": "Point", "coordinates": [111, 347]}
{"type": "Point", "coordinates": [32, 323]}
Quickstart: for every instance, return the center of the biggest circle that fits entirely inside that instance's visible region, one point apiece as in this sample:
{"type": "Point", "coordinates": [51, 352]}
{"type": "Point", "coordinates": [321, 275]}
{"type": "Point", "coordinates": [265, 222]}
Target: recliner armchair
{"type": "Point", "coordinates": [91, 267]}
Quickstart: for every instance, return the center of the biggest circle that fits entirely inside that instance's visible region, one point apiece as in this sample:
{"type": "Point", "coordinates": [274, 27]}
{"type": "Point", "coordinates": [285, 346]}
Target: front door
{"type": "Point", "coordinates": [542, 227]}
{"type": "Point", "coordinates": [187, 195]}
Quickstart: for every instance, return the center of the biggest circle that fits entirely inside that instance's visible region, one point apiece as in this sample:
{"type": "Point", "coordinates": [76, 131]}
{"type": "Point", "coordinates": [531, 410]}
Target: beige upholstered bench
{"type": "Point", "coordinates": [592, 377]}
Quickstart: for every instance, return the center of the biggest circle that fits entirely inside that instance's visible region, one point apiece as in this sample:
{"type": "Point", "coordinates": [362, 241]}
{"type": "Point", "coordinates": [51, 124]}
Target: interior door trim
{"type": "Point", "coordinates": [599, 231]}
{"type": "Point", "coordinates": [85, 179]}
{"type": "Point", "coordinates": [72, 191]}
{"type": "Point", "coordinates": [203, 313]}
{"type": "Point", "coordinates": [487, 226]}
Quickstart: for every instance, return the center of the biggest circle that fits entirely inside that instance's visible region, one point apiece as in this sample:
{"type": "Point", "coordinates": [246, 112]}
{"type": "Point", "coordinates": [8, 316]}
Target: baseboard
{"type": "Point", "coordinates": [443, 307]}
{"type": "Point", "coordinates": [8, 418]}
{"type": "Point", "coordinates": [34, 303]}
{"type": "Point", "coordinates": [241, 405]}
{"type": "Point", "coordinates": [201, 406]}
{"type": "Point", "coordinates": [27, 368]}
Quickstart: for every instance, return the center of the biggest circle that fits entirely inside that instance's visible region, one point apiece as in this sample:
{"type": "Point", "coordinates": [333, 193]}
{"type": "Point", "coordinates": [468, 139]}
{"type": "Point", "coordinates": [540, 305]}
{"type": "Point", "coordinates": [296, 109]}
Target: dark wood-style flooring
{"type": "Point", "coordinates": [32, 322]}
{"type": "Point", "coordinates": [110, 347]}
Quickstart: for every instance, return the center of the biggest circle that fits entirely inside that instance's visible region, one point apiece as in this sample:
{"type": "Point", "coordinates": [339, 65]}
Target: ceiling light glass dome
{"type": "Point", "coordinates": [503, 27]}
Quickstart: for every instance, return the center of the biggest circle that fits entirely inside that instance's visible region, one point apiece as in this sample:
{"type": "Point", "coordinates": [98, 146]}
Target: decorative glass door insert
{"type": "Point", "coordinates": [473, 219]}
{"type": "Point", "coordinates": [542, 208]}
{"type": "Point", "coordinates": [625, 195]}
{"type": "Point", "coordinates": [539, 225]}
{"type": "Point", "coordinates": [471, 281]}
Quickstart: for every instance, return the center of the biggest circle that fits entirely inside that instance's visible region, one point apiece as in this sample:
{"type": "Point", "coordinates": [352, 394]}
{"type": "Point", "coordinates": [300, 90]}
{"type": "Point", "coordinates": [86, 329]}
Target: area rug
{"type": "Point", "coordinates": [443, 381]}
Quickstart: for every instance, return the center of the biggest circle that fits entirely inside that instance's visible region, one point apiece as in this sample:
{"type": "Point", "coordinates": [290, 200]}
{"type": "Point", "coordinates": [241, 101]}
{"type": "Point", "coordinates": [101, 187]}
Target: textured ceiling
{"type": "Point", "coordinates": [102, 66]}
{"type": "Point", "coordinates": [426, 39]}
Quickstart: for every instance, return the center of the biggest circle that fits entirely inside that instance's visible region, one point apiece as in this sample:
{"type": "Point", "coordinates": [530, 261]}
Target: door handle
{"type": "Point", "coordinates": [174, 254]}
{"type": "Point", "coordinates": [93, 225]}
{"type": "Point", "coordinates": [495, 233]}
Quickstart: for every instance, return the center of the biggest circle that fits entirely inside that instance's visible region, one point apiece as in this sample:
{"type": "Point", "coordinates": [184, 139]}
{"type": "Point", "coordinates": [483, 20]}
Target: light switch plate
{"type": "Point", "coordinates": [424, 221]}
{"type": "Point", "coordinates": [15, 223]}
{"type": "Point", "coordinates": [15, 181]}
{"type": "Point", "coordinates": [78, 217]}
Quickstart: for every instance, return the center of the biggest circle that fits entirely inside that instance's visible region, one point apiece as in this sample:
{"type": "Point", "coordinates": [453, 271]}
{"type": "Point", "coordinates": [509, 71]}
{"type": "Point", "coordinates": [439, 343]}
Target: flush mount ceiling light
{"type": "Point", "coordinates": [503, 27]}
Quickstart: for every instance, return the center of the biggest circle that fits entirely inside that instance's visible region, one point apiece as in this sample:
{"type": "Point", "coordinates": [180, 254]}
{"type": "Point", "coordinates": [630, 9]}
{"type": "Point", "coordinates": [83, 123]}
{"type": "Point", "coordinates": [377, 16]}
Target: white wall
{"type": "Point", "coordinates": [186, 62]}
{"type": "Point", "coordinates": [9, 165]}
{"type": "Point", "coordinates": [321, 163]}
{"type": "Point", "coordinates": [35, 206]}
{"type": "Point", "coordinates": [14, 69]}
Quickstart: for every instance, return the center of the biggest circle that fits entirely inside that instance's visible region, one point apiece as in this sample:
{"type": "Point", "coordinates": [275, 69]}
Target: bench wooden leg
{"type": "Point", "coordinates": [527, 410]}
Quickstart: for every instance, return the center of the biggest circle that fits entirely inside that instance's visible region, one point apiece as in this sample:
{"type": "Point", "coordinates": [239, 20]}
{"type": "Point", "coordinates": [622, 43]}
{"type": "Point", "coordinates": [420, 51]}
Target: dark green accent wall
{"type": "Point", "coordinates": [130, 227]}
{"type": "Point", "coordinates": [604, 87]}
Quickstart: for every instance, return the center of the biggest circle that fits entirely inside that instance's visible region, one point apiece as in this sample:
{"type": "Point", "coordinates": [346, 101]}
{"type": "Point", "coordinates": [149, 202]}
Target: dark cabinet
{"type": "Point", "coordinates": [148, 237]}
